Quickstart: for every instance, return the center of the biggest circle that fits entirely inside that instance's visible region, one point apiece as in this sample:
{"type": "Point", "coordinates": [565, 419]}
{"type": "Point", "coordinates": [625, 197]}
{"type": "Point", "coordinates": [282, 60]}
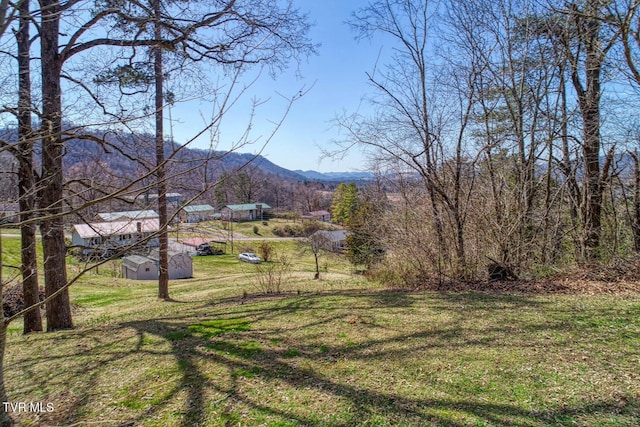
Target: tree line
{"type": "Point", "coordinates": [507, 133]}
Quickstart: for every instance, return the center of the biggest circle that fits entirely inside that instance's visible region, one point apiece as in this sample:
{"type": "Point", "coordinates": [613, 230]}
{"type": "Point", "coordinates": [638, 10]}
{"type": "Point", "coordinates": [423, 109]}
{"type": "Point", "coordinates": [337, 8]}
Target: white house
{"type": "Point", "coordinates": [180, 264]}
{"type": "Point", "coordinates": [103, 238]}
{"type": "Point", "coordinates": [197, 213]}
{"type": "Point", "coordinates": [336, 239]}
{"type": "Point", "coordinates": [244, 212]}
{"type": "Point", "coordinates": [138, 267]}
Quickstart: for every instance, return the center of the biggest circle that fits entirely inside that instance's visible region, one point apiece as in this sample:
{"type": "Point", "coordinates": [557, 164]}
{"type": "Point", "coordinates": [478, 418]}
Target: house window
{"type": "Point", "coordinates": [146, 269]}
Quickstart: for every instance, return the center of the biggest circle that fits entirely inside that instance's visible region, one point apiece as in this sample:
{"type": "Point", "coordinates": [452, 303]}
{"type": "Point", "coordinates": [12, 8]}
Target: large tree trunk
{"type": "Point", "coordinates": [51, 188]}
{"type": "Point", "coordinates": [26, 178]}
{"type": "Point", "coordinates": [163, 277]}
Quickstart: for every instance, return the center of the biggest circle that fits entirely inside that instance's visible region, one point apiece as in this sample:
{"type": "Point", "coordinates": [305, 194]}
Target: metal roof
{"type": "Point", "coordinates": [247, 206]}
{"type": "Point", "coordinates": [136, 260]}
{"type": "Point", "coordinates": [198, 208]}
{"type": "Point", "coordinates": [114, 216]}
{"type": "Point", "coordinates": [116, 228]}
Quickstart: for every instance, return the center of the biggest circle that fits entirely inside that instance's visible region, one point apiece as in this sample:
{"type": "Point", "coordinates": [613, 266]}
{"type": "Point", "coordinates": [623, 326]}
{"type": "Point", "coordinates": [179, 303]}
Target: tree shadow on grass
{"type": "Point", "coordinates": [366, 405]}
{"type": "Point", "coordinates": [240, 341]}
{"type": "Point", "coordinates": [279, 364]}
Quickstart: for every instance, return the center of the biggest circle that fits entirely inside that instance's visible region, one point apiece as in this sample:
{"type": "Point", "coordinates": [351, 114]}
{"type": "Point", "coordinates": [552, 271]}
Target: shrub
{"type": "Point", "coordinates": [288, 230]}
{"type": "Point", "coordinates": [266, 251]}
{"type": "Point", "coordinates": [271, 276]}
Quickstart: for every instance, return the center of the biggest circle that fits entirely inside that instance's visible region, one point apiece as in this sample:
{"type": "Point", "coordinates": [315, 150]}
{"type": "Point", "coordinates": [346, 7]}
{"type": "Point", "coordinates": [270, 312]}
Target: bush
{"type": "Point", "coordinates": [288, 231]}
{"type": "Point", "coordinates": [305, 229]}
{"type": "Point", "coordinates": [266, 251]}
{"type": "Point", "coordinates": [256, 229]}
{"type": "Point", "coordinates": [271, 276]}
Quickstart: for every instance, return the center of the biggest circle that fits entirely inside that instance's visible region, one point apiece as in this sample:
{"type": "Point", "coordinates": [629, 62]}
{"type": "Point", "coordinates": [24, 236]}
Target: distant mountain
{"type": "Point", "coordinates": [335, 176]}
{"type": "Point", "coordinates": [119, 151]}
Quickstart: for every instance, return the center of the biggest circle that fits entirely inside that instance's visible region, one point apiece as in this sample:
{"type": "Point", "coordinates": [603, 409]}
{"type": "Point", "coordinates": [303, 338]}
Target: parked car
{"type": "Point", "coordinates": [249, 257]}
{"type": "Point", "coordinates": [206, 249]}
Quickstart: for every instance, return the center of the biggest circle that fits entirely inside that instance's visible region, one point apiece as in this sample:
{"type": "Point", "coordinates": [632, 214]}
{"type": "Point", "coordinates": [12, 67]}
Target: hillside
{"type": "Point", "coordinates": [125, 155]}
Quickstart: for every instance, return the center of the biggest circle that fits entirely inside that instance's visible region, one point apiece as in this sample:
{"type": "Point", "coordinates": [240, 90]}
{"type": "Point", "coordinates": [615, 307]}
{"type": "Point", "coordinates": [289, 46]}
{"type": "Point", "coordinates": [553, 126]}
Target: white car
{"type": "Point", "coordinates": [249, 257]}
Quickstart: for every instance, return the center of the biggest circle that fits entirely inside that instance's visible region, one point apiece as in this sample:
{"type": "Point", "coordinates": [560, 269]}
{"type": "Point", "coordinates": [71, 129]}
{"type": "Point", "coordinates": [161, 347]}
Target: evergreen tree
{"type": "Point", "coordinates": [363, 245]}
{"type": "Point", "coordinates": [345, 203]}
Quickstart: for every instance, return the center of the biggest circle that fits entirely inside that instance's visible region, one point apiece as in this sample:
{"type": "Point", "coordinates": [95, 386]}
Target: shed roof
{"type": "Point", "coordinates": [135, 260]}
{"type": "Point", "coordinates": [198, 208]}
{"type": "Point", "coordinates": [114, 216]}
{"type": "Point", "coordinates": [116, 228]}
{"type": "Point", "coordinates": [319, 213]}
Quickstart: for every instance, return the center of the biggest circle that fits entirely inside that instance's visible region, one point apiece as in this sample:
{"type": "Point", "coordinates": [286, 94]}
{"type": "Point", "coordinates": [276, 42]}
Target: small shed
{"type": "Point", "coordinates": [180, 264]}
{"type": "Point", "coordinates": [138, 267]}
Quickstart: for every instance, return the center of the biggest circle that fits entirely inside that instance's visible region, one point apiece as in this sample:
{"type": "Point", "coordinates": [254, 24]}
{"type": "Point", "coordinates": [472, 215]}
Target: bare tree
{"type": "Point", "coordinates": [318, 243]}
{"type": "Point", "coordinates": [420, 125]}
{"type": "Point", "coordinates": [586, 42]}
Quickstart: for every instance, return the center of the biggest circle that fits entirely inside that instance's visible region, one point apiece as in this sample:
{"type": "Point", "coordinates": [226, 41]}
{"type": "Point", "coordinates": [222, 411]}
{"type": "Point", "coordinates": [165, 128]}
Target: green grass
{"type": "Point", "coordinates": [333, 352]}
{"type": "Point", "coordinates": [246, 228]}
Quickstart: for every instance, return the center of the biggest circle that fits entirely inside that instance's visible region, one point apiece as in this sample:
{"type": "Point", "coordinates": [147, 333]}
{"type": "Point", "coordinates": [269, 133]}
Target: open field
{"type": "Point", "coordinates": [335, 352]}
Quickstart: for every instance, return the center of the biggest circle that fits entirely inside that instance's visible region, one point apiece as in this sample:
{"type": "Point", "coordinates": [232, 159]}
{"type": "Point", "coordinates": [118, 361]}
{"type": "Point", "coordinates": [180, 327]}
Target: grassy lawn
{"type": "Point", "coordinates": [334, 352]}
{"type": "Point", "coordinates": [243, 229]}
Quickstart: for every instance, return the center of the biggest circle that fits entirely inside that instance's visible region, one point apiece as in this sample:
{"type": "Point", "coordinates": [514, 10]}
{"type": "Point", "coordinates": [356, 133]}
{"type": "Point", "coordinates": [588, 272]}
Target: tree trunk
{"type": "Point", "coordinates": [588, 27]}
{"type": "Point", "coordinates": [26, 178]}
{"type": "Point", "coordinates": [51, 188]}
{"type": "Point", "coordinates": [163, 277]}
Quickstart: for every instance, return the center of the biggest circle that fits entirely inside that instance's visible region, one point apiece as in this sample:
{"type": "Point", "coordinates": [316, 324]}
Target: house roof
{"type": "Point", "coordinates": [198, 208]}
{"type": "Point", "coordinates": [247, 206]}
{"type": "Point", "coordinates": [116, 228]}
{"type": "Point", "coordinates": [115, 216]}
{"type": "Point", "coordinates": [319, 213]}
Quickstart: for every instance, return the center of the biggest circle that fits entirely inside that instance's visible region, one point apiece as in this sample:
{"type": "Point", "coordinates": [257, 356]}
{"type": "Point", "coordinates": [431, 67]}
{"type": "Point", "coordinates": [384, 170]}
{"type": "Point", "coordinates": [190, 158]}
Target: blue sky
{"type": "Point", "coordinates": [336, 83]}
